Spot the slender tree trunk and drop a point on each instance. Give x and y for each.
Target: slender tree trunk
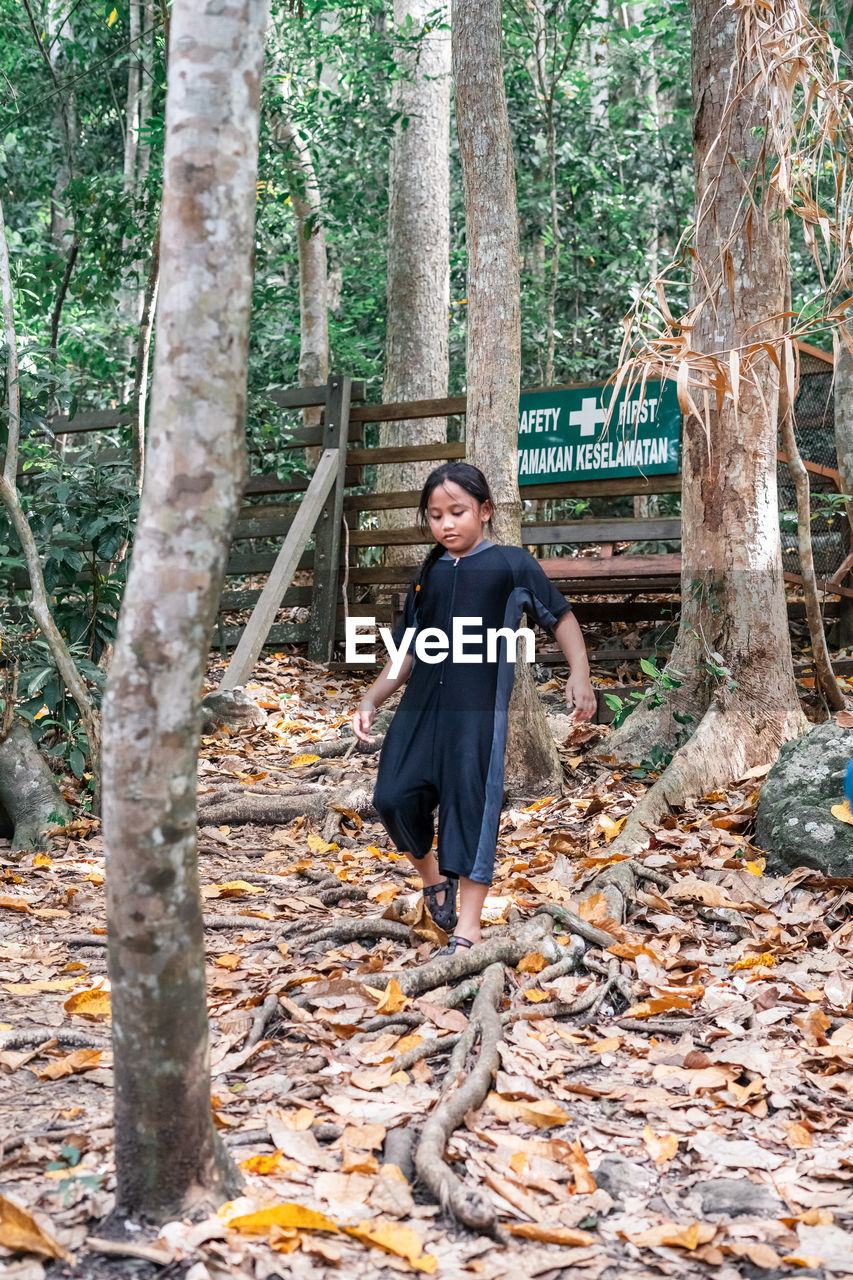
(168, 1157)
(146, 88)
(843, 402)
(494, 334)
(418, 275)
(313, 268)
(738, 701)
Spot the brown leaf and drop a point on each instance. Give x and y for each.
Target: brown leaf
(661, 1147)
(20, 1232)
(79, 1060)
(543, 1114)
(549, 1235)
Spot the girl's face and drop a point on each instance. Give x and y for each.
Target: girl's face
(456, 518)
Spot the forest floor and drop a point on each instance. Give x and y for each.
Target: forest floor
(696, 1119)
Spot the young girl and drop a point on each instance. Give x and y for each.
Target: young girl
(445, 745)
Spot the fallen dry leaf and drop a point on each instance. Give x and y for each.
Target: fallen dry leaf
(395, 1238)
(20, 1232)
(549, 1235)
(79, 1060)
(660, 1146)
(544, 1114)
(93, 1003)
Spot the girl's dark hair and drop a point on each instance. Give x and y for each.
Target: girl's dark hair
(469, 478)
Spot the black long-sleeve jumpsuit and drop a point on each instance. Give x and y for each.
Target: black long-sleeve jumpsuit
(445, 745)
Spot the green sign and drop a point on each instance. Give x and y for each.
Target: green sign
(562, 434)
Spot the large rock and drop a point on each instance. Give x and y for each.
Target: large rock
(230, 709)
(794, 823)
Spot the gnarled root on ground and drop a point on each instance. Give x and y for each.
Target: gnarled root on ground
(458, 1098)
(326, 807)
(727, 742)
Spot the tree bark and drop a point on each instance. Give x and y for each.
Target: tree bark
(494, 335)
(313, 269)
(418, 274)
(29, 795)
(843, 402)
(169, 1160)
(732, 654)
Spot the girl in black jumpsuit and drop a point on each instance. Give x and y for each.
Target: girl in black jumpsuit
(445, 745)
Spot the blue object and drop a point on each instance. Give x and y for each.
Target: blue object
(848, 784)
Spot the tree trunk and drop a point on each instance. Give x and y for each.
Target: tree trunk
(29, 796)
(313, 270)
(732, 654)
(418, 277)
(494, 334)
(169, 1160)
(843, 401)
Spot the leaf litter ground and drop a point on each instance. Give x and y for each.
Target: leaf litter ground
(695, 1120)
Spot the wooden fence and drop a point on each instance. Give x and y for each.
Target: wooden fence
(274, 510)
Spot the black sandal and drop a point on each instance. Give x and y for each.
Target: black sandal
(444, 914)
(455, 942)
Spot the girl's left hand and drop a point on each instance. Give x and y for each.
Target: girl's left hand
(580, 697)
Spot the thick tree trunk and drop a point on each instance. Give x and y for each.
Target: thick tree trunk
(29, 796)
(418, 278)
(737, 698)
(168, 1158)
(494, 334)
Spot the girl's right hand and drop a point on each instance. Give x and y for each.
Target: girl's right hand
(363, 719)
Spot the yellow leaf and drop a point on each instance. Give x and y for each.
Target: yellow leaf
(842, 813)
(610, 1045)
(393, 999)
(661, 1147)
(229, 961)
(798, 1136)
(93, 1003)
(533, 962)
(298, 761)
(393, 1237)
(584, 1178)
(542, 1114)
(20, 1232)
(79, 1060)
(33, 988)
(42, 860)
(281, 1215)
(518, 1163)
(674, 1234)
(261, 1164)
(609, 828)
(113, 16)
(536, 996)
(230, 889)
(549, 1235)
(756, 868)
(766, 959)
(15, 904)
(318, 845)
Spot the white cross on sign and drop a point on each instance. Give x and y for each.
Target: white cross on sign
(588, 417)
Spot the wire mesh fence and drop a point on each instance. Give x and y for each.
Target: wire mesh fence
(815, 430)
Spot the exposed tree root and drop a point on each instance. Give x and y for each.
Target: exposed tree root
(262, 1016)
(31, 1039)
(465, 1203)
(426, 1049)
(351, 930)
(532, 936)
(728, 741)
(567, 964)
(274, 808)
(576, 924)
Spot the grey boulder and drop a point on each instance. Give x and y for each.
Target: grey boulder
(794, 823)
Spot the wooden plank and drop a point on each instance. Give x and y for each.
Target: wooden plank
(307, 436)
(310, 397)
(611, 567)
(327, 536)
(816, 469)
(248, 597)
(652, 529)
(616, 487)
(89, 420)
(824, 585)
(258, 484)
(405, 410)
(382, 501)
(440, 452)
(263, 616)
